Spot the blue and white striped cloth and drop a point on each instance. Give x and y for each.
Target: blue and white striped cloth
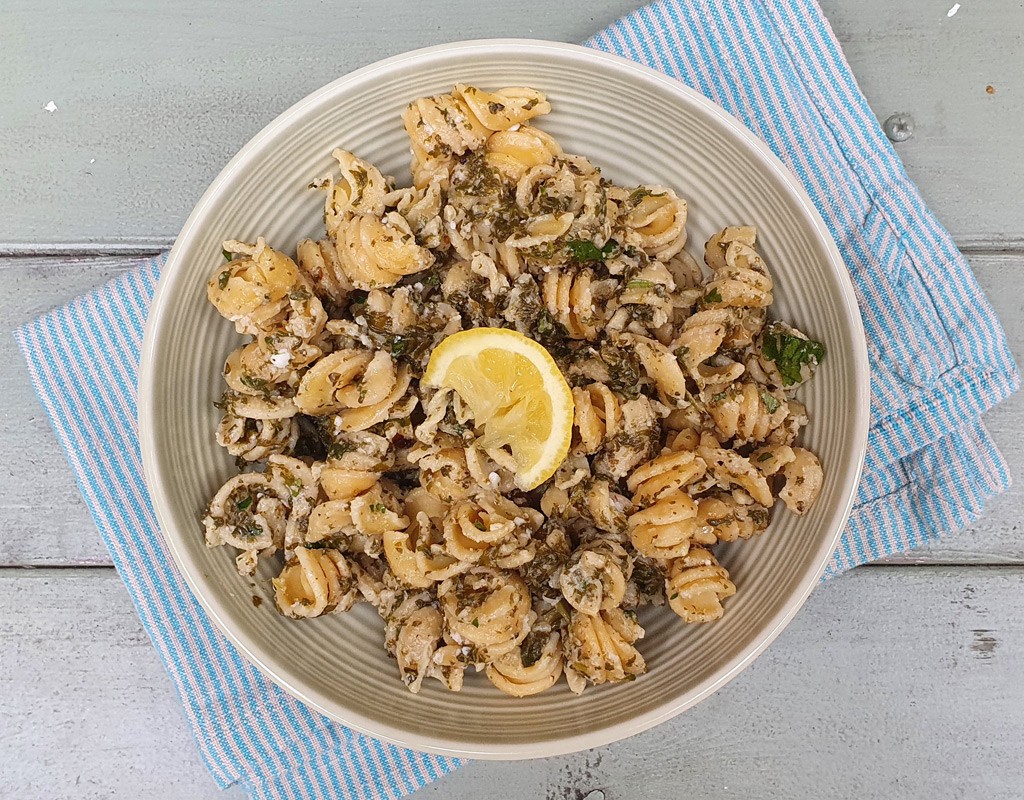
(938, 356)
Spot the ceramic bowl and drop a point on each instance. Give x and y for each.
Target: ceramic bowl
(640, 127)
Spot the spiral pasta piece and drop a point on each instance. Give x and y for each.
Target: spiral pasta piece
(570, 301)
(249, 512)
(315, 582)
(487, 610)
(358, 189)
(417, 554)
(804, 478)
(656, 221)
(669, 472)
(727, 518)
(667, 527)
(746, 412)
(447, 125)
(492, 526)
(379, 251)
(252, 290)
(597, 416)
(321, 262)
(729, 468)
(696, 585)
(513, 153)
(599, 648)
(595, 576)
(524, 672)
(255, 439)
(413, 629)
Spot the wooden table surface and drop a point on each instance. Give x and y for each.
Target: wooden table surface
(897, 680)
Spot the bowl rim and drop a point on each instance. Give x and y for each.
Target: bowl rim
(249, 646)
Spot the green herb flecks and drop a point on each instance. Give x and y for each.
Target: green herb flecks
(222, 280)
(790, 354)
(378, 508)
(254, 383)
(583, 251)
(227, 256)
(771, 402)
(244, 503)
(639, 284)
(338, 449)
(712, 297)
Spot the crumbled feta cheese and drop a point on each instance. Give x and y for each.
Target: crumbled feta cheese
(418, 286)
(360, 320)
(519, 521)
(281, 359)
(494, 479)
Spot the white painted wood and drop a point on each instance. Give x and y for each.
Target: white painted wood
(87, 709)
(41, 502)
(151, 101)
(891, 682)
(43, 517)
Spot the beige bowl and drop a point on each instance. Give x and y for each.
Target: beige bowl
(639, 126)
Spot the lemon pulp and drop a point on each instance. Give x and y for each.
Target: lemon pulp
(516, 393)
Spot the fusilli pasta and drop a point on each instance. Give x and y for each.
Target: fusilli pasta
(373, 486)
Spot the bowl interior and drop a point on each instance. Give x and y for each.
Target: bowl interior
(637, 126)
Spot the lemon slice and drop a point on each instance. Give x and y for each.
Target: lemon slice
(516, 393)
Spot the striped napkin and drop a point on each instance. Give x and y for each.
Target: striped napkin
(938, 356)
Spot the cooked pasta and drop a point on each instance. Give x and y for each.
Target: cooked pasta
(360, 482)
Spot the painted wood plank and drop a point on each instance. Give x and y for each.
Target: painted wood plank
(44, 519)
(886, 679)
(40, 502)
(88, 710)
(150, 102)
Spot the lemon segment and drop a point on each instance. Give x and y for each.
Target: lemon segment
(517, 394)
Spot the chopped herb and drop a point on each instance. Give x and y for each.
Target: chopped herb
(302, 293)
(764, 457)
(244, 503)
(790, 354)
(712, 297)
(479, 525)
(640, 285)
(714, 523)
(638, 194)
(222, 281)
(681, 353)
(718, 397)
(771, 402)
(583, 251)
(647, 577)
(530, 104)
(494, 108)
(254, 383)
(338, 449)
(476, 622)
(759, 516)
(674, 596)
(227, 256)
(532, 648)
(378, 508)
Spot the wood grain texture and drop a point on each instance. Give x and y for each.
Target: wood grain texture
(44, 519)
(40, 501)
(851, 701)
(88, 710)
(152, 101)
